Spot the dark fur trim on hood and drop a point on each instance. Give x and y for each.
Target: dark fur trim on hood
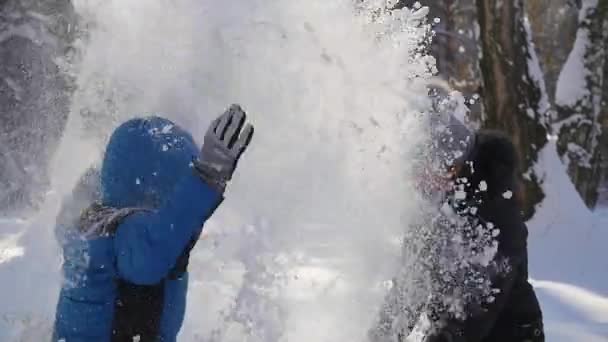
(491, 157)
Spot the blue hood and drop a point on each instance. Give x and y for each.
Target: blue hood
(143, 162)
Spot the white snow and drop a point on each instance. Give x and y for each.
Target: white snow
(307, 233)
(537, 76)
(460, 110)
(592, 306)
(460, 195)
(167, 129)
(9, 249)
(483, 186)
(583, 157)
(568, 265)
(23, 31)
(571, 84)
(14, 86)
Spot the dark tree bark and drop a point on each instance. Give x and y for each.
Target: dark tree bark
(34, 94)
(512, 94)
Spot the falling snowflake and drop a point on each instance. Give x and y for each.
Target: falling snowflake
(167, 129)
(483, 186)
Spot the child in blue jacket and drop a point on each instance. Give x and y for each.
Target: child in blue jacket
(128, 228)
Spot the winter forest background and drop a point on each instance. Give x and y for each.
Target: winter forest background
(537, 69)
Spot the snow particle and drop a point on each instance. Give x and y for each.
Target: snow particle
(165, 148)
(137, 181)
(437, 20)
(508, 194)
(461, 49)
(483, 186)
(460, 195)
(530, 112)
(167, 129)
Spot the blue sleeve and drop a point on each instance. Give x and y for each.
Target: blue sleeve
(148, 244)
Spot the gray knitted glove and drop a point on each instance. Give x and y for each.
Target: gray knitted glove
(225, 142)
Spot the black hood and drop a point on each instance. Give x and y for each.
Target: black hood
(490, 158)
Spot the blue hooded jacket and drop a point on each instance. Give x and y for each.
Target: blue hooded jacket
(147, 165)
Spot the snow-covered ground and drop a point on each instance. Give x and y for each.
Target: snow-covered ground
(308, 233)
(568, 263)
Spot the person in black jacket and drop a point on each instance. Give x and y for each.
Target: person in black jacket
(406, 301)
(485, 195)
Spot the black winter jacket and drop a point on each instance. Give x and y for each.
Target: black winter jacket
(515, 314)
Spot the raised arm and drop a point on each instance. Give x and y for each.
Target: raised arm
(148, 244)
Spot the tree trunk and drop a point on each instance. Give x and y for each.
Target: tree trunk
(512, 89)
(603, 118)
(582, 143)
(554, 24)
(34, 94)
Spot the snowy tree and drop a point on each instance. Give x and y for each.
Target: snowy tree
(485, 47)
(581, 98)
(514, 93)
(34, 93)
(553, 24)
